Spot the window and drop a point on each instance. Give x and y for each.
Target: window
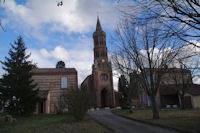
(143, 98)
(148, 101)
(97, 54)
(104, 77)
(63, 82)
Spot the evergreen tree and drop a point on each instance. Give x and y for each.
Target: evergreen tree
(133, 86)
(123, 88)
(17, 87)
(129, 90)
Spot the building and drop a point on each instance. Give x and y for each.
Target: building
(53, 83)
(100, 83)
(171, 85)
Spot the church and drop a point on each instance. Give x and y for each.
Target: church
(100, 83)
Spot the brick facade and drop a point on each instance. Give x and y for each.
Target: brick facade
(49, 80)
(100, 82)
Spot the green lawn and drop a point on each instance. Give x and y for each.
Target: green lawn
(182, 119)
(51, 124)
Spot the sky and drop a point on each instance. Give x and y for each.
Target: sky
(53, 33)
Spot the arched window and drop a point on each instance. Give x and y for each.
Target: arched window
(97, 54)
(103, 52)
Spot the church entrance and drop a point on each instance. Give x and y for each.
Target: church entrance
(103, 98)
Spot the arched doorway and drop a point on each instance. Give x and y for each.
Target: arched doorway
(103, 98)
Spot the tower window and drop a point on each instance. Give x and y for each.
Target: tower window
(97, 54)
(95, 42)
(101, 42)
(103, 53)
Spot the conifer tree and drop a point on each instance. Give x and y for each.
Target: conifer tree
(123, 88)
(17, 87)
(129, 89)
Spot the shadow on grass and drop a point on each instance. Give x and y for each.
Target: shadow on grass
(56, 123)
(182, 119)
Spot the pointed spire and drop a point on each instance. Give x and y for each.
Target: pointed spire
(98, 27)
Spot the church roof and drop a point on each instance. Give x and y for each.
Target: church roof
(54, 71)
(98, 27)
(99, 31)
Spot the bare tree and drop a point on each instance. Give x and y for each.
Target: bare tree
(146, 50)
(184, 12)
(180, 17)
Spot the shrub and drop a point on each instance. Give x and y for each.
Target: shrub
(78, 102)
(7, 118)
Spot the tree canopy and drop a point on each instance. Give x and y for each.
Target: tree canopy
(17, 88)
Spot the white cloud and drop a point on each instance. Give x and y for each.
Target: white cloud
(40, 59)
(74, 16)
(1, 71)
(58, 53)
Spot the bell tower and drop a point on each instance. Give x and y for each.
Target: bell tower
(102, 70)
(100, 49)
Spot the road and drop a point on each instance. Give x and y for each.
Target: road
(122, 125)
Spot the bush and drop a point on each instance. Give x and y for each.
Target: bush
(7, 118)
(78, 102)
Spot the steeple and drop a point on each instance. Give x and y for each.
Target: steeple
(98, 27)
(100, 48)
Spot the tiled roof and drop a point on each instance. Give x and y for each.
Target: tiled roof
(193, 89)
(54, 71)
(169, 70)
(168, 89)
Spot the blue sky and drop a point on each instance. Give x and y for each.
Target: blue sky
(53, 33)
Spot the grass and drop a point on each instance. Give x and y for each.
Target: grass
(182, 119)
(51, 124)
(3, 114)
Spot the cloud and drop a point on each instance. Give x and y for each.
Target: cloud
(40, 59)
(77, 16)
(1, 71)
(58, 53)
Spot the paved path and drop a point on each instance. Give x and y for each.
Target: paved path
(122, 125)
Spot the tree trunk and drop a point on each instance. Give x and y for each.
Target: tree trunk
(182, 102)
(155, 110)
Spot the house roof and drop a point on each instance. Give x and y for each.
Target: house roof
(54, 71)
(193, 89)
(169, 70)
(42, 94)
(168, 90)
